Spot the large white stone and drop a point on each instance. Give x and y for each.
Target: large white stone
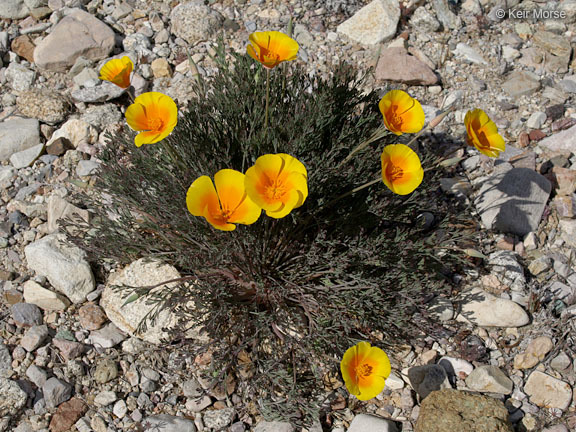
(64, 265)
(486, 310)
(374, 23)
(128, 317)
(367, 422)
(548, 392)
(17, 135)
(565, 140)
(59, 208)
(44, 298)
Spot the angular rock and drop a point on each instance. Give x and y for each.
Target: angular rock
(139, 274)
(20, 77)
(107, 337)
(5, 361)
(67, 415)
(199, 404)
(59, 146)
(561, 362)
(534, 354)
(69, 349)
(91, 316)
(168, 423)
(55, 392)
(77, 34)
(43, 298)
(367, 422)
(34, 337)
(454, 410)
(120, 409)
(26, 158)
(13, 9)
(397, 65)
(548, 392)
(564, 140)
(428, 378)
(46, 105)
(26, 315)
(485, 310)
(448, 18)
(470, 54)
(87, 168)
(489, 379)
(374, 23)
(13, 397)
(424, 21)
(507, 269)
(63, 265)
(17, 135)
(193, 21)
(105, 398)
(60, 209)
(520, 83)
(219, 419)
(24, 47)
(456, 367)
(37, 375)
(513, 201)
(77, 131)
(103, 92)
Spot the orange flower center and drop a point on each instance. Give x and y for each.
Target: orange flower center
(394, 173)
(275, 191)
(363, 370)
(156, 124)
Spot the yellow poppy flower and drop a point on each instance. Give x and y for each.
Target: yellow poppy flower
(483, 133)
(277, 183)
(401, 169)
(152, 114)
(272, 48)
(224, 205)
(402, 114)
(365, 369)
(117, 71)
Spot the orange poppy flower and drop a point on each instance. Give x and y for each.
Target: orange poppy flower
(365, 369)
(152, 114)
(272, 48)
(117, 71)
(224, 205)
(277, 183)
(402, 114)
(483, 133)
(401, 169)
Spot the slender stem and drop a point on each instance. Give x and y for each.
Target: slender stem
(379, 133)
(174, 155)
(267, 98)
(351, 192)
(130, 91)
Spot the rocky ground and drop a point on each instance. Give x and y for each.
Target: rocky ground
(67, 357)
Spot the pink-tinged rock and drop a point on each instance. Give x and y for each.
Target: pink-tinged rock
(565, 180)
(397, 65)
(92, 317)
(565, 140)
(565, 206)
(69, 349)
(78, 34)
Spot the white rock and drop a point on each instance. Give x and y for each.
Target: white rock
(59, 208)
(64, 265)
(374, 23)
(536, 120)
(564, 140)
(455, 366)
(13, 397)
(489, 379)
(44, 298)
(548, 392)
(25, 158)
(17, 135)
(394, 382)
(367, 422)
(469, 54)
(20, 77)
(105, 398)
(13, 9)
(120, 409)
(168, 423)
(77, 131)
(128, 317)
(107, 337)
(273, 426)
(483, 309)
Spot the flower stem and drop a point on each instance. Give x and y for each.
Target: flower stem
(267, 98)
(351, 192)
(378, 133)
(174, 155)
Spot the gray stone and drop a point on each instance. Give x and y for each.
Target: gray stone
(424, 21)
(489, 379)
(564, 140)
(128, 317)
(77, 34)
(428, 378)
(138, 43)
(168, 423)
(193, 22)
(34, 337)
(556, 428)
(20, 77)
(105, 398)
(103, 92)
(55, 392)
(367, 422)
(508, 270)
(199, 404)
(87, 168)
(107, 337)
(13, 397)
(26, 158)
(470, 54)
(561, 291)
(568, 84)
(37, 375)
(448, 18)
(520, 83)
(13, 9)
(536, 120)
(17, 135)
(513, 201)
(273, 426)
(191, 388)
(106, 370)
(63, 265)
(483, 309)
(561, 362)
(7, 173)
(102, 116)
(548, 392)
(5, 361)
(26, 315)
(374, 23)
(218, 419)
(60, 209)
(120, 409)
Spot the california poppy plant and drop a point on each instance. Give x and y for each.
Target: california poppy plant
(272, 48)
(365, 369)
(402, 113)
(154, 115)
(401, 169)
(483, 133)
(277, 183)
(225, 204)
(117, 71)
